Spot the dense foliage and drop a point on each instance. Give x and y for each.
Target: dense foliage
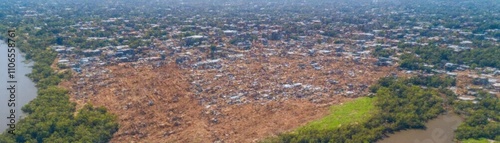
(433, 81)
(431, 55)
(399, 104)
(482, 118)
(381, 52)
(51, 116)
(51, 119)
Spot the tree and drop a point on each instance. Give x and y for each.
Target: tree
(213, 49)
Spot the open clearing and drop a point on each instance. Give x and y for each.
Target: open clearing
(156, 105)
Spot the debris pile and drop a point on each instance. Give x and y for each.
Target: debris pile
(159, 104)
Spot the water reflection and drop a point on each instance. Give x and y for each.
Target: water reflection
(25, 88)
(439, 130)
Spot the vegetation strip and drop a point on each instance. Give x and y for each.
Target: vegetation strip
(402, 104)
(51, 115)
(353, 112)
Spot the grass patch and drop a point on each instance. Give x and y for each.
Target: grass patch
(483, 140)
(353, 112)
(399, 104)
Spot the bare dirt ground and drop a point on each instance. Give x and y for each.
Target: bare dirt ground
(160, 104)
(173, 116)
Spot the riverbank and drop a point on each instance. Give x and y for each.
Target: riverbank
(26, 90)
(413, 109)
(399, 104)
(52, 116)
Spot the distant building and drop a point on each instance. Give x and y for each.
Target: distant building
(450, 66)
(194, 40)
(364, 36)
(480, 81)
(230, 32)
(90, 53)
(467, 98)
(383, 61)
(497, 87)
(466, 43)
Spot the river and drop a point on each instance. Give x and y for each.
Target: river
(25, 88)
(439, 130)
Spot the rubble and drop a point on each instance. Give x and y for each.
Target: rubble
(206, 84)
(167, 105)
(189, 88)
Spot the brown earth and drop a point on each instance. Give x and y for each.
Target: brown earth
(171, 104)
(174, 115)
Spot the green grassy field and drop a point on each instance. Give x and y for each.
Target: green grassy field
(477, 141)
(368, 119)
(356, 111)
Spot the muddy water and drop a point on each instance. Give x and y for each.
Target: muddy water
(25, 88)
(439, 130)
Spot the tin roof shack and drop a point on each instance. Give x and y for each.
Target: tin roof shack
(363, 36)
(463, 67)
(496, 86)
(57, 47)
(315, 65)
(234, 57)
(264, 41)
(77, 69)
(230, 33)
(383, 61)
(245, 45)
(457, 48)
(123, 59)
(62, 63)
(126, 51)
(84, 61)
(467, 98)
(466, 43)
(473, 90)
(125, 55)
(208, 64)
(194, 40)
(91, 53)
(61, 50)
(109, 55)
(183, 61)
(482, 81)
(450, 66)
(151, 60)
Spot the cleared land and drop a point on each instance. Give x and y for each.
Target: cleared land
(157, 105)
(243, 101)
